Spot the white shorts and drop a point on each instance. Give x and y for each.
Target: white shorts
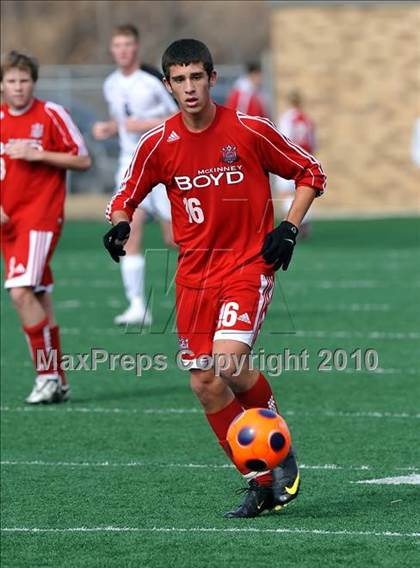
(156, 203)
(27, 255)
(285, 185)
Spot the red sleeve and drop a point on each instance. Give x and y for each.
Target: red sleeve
(65, 136)
(281, 156)
(142, 175)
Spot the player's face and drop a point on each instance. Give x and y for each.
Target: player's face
(190, 85)
(125, 50)
(17, 88)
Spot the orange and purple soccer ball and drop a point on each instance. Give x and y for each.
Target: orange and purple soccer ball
(258, 439)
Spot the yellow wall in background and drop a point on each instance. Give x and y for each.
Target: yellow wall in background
(358, 68)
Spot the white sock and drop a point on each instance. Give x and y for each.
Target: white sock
(132, 272)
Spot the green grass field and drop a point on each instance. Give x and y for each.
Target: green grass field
(128, 472)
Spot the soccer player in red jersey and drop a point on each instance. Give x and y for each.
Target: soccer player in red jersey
(296, 124)
(246, 94)
(215, 164)
(39, 142)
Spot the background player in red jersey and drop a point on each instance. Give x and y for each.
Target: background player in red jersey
(215, 164)
(247, 95)
(297, 125)
(39, 142)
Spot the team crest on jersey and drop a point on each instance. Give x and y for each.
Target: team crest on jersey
(37, 130)
(229, 154)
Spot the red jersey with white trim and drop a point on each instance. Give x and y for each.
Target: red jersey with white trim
(218, 185)
(33, 193)
(246, 102)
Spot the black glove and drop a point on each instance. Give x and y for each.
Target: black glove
(114, 240)
(279, 244)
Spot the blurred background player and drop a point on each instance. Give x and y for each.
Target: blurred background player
(223, 223)
(296, 124)
(137, 101)
(415, 143)
(39, 142)
(247, 95)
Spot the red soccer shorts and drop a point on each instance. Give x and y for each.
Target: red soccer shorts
(27, 255)
(233, 311)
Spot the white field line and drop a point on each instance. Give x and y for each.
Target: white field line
(322, 467)
(297, 282)
(354, 372)
(71, 304)
(312, 334)
(344, 334)
(230, 531)
(412, 479)
(193, 410)
(352, 284)
(381, 371)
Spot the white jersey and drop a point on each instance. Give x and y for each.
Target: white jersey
(140, 95)
(415, 144)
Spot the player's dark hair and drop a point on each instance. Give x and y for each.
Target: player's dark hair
(126, 30)
(253, 67)
(184, 52)
(295, 98)
(17, 60)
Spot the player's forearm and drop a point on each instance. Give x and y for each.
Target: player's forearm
(65, 161)
(112, 126)
(303, 200)
(118, 216)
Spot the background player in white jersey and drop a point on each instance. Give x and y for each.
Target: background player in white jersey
(137, 101)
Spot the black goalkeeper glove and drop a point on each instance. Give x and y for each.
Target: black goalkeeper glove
(279, 244)
(115, 239)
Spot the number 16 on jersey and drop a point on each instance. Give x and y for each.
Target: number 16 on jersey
(194, 211)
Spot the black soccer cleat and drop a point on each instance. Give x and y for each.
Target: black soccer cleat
(286, 481)
(258, 498)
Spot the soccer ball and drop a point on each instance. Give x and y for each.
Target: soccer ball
(258, 439)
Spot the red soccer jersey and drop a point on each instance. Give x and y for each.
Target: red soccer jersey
(297, 125)
(32, 193)
(218, 185)
(246, 102)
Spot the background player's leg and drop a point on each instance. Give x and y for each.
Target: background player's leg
(167, 233)
(37, 331)
(27, 305)
(132, 272)
(45, 300)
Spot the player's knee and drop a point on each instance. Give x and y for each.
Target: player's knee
(228, 372)
(228, 368)
(205, 385)
(21, 296)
